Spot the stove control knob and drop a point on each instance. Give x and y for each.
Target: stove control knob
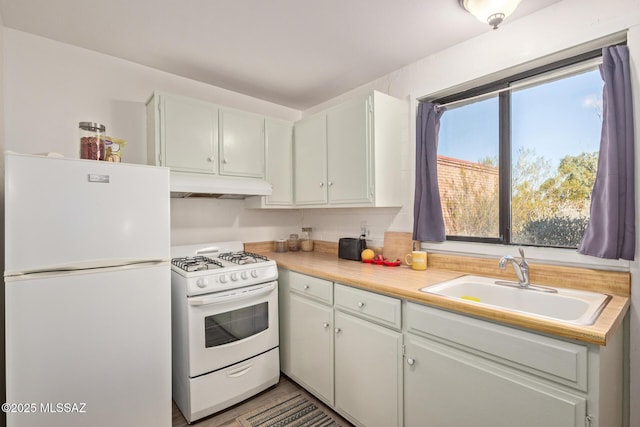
(223, 279)
(254, 274)
(202, 282)
(234, 277)
(244, 275)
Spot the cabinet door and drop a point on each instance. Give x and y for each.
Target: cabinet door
(310, 161)
(450, 387)
(241, 144)
(284, 322)
(368, 365)
(311, 341)
(189, 132)
(279, 161)
(349, 153)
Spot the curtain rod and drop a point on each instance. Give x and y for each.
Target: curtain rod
(554, 75)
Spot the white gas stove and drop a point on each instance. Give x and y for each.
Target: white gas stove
(219, 266)
(224, 317)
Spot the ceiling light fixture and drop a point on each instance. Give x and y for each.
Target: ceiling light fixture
(491, 11)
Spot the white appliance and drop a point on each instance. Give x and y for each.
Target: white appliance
(225, 326)
(88, 299)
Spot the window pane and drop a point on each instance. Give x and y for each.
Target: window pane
(555, 142)
(468, 150)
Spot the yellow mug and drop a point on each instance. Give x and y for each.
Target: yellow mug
(417, 260)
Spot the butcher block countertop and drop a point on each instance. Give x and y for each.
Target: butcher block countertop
(403, 282)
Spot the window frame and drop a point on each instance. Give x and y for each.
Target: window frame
(504, 148)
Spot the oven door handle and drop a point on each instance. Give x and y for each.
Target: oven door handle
(235, 296)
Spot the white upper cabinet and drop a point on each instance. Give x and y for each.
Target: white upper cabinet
(189, 135)
(188, 139)
(241, 144)
(349, 152)
(278, 166)
(348, 156)
(310, 161)
(279, 161)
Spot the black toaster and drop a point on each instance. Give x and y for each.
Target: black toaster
(351, 248)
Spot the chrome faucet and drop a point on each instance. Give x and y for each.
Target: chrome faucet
(521, 269)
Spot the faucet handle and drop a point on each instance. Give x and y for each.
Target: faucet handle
(523, 260)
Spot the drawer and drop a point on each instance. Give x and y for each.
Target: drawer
(313, 287)
(550, 358)
(379, 308)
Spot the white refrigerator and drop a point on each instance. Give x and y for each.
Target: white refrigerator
(87, 293)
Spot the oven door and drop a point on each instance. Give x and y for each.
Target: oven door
(231, 326)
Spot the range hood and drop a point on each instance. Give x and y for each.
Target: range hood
(184, 185)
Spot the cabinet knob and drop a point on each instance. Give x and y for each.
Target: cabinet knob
(224, 161)
(337, 330)
(330, 183)
(360, 304)
(211, 159)
(325, 325)
(322, 184)
(410, 361)
(306, 287)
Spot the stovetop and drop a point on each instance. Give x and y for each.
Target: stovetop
(223, 260)
(242, 257)
(196, 263)
(215, 267)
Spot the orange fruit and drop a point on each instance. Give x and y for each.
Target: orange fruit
(367, 254)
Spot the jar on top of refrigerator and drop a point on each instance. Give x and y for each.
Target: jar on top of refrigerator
(92, 140)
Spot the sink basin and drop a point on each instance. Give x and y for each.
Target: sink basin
(567, 305)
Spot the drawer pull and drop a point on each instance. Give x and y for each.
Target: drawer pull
(360, 304)
(306, 287)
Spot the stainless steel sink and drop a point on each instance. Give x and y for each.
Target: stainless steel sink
(565, 305)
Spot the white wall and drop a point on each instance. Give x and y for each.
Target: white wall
(538, 38)
(51, 86)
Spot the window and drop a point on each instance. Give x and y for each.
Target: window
(517, 159)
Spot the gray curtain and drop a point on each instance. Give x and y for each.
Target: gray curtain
(611, 229)
(428, 224)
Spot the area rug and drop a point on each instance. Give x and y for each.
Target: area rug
(295, 410)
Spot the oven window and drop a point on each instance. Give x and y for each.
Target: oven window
(235, 325)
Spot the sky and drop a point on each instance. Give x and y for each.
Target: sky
(555, 119)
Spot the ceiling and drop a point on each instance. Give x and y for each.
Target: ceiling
(296, 53)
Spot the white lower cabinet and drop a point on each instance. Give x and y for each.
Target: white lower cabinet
(462, 371)
(382, 362)
(312, 338)
(367, 374)
(448, 387)
(345, 355)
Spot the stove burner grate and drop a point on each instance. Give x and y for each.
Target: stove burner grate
(242, 257)
(196, 263)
